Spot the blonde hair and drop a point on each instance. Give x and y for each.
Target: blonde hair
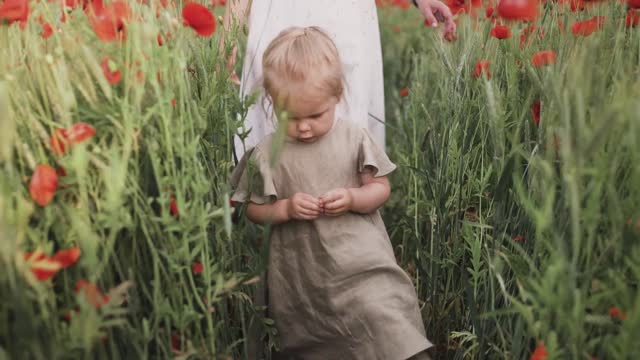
(301, 57)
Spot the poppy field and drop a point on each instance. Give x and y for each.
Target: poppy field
(515, 206)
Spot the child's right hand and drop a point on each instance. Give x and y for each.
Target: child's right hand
(303, 206)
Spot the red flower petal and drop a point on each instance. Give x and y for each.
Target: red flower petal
(45, 269)
(79, 132)
(634, 4)
(616, 313)
(14, 10)
(47, 30)
(587, 27)
(197, 268)
(173, 206)
(199, 18)
(44, 182)
(542, 58)
(535, 111)
(482, 67)
(489, 12)
(519, 238)
(404, 92)
(67, 257)
(526, 10)
(500, 32)
(109, 21)
(540, 353)
(110, 72)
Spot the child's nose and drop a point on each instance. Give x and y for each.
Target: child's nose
(303, 126)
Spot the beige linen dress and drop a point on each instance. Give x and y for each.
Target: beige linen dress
(335, 289)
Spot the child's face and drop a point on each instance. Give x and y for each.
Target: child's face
(310, 117)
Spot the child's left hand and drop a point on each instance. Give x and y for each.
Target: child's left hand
(336, 202)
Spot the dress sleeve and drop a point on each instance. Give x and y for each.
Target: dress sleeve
(252, 179)
(370, 154)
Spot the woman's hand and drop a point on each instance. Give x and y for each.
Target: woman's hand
(434, 11)
(303, 206)
(336, 202)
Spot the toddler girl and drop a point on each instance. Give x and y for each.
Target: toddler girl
(335, 289)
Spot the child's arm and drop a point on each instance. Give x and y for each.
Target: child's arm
(300, 206)
(365, 199)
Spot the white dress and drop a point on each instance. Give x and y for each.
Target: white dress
(353, 26)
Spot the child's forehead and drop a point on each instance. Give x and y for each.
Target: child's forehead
(300, 105)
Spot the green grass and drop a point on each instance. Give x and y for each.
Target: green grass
(475, 173)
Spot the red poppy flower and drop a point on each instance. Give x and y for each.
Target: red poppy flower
(92, 294)
(44, 182)
(403, 4)
(540, 353)
(576, 5)
(462, 6)
(173, 102)
(14, 10)
(197, 268)
(199, 18)
(634, 4)
(542, 58)
(108, 22)
(535, 111)
(110, 71)
(616, 313)
(47, 30)
(632, 19)
(482, 67)
(588, 27)
(42, 266)
(489, 12)
(519, 238)
(80, 132)
(67, 257)
(500, 32)
(404, 92)
(173, 206)
(525, 10)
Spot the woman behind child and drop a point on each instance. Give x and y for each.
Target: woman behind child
(335, 289)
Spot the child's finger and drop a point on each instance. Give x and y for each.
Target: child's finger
(335, 212)
(334, 205)
(308, 205)
(329, 197)
(312, 199)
